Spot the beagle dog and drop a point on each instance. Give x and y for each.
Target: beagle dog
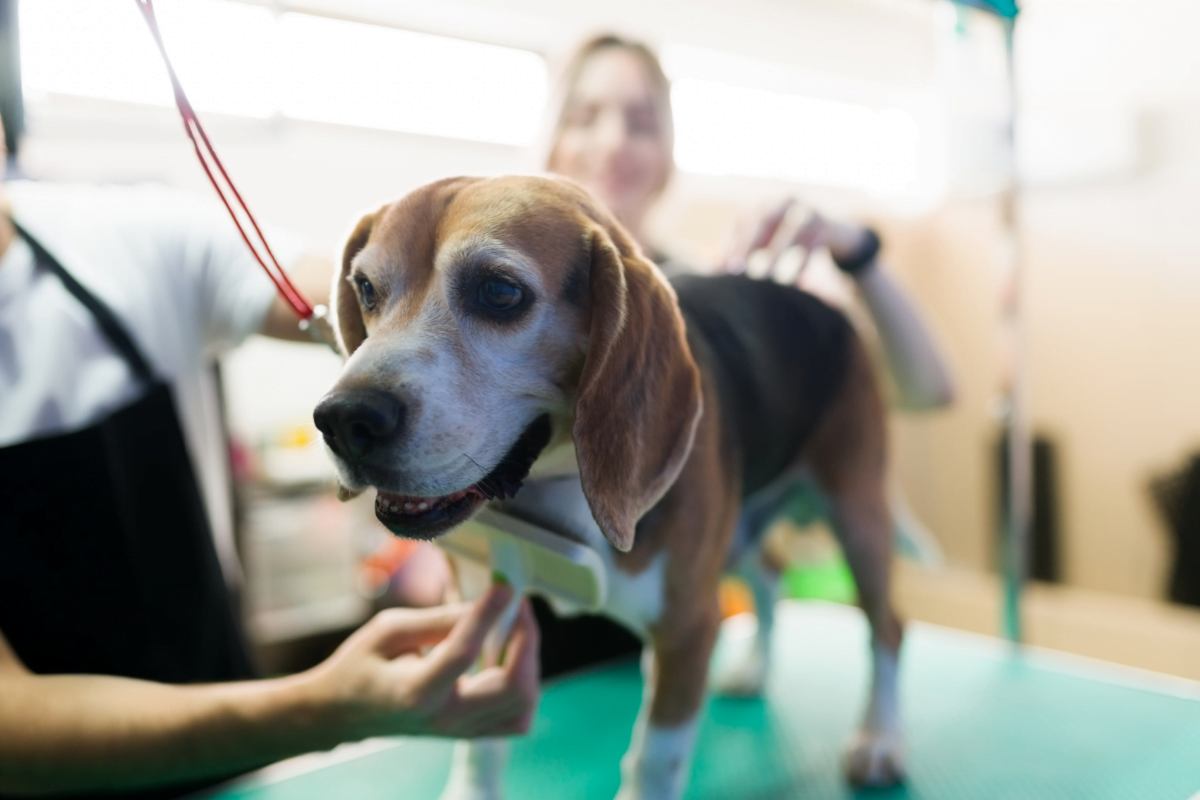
(507, 342)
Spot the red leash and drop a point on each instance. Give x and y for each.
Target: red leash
(312, 318)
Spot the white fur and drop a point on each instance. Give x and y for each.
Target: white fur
(635, 601)
(477, 770)
(656, 765)
(875, 755)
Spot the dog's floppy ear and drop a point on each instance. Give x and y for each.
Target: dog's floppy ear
(350, 327)
(639, 396)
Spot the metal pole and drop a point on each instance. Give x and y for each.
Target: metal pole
(1020, 479)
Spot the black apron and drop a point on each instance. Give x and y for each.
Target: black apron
(107, 564)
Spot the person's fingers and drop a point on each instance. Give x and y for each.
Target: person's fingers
(395, 631)
(770, 226)
(758, 238)
(454, 655)
(521, 659)
(811, 234)
(486, 700)
(509, 725)
(502, 700)
(789, 233)
(734, 260)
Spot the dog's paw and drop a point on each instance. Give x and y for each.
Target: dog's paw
(476, 770)
(740, 659)
(465, 790)
(662, 789)
(875, 759)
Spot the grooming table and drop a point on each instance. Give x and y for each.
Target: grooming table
(983, 722)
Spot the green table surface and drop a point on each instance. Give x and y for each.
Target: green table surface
(983, 721)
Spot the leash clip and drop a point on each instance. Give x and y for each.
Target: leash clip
(318, 327)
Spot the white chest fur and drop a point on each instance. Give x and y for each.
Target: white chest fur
(636, 601)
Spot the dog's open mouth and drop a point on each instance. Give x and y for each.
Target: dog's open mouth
(427, 517)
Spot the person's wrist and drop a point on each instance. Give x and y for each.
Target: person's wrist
(856, 259)
(317, 710)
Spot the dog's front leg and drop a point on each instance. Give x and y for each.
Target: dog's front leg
(674, 670)
(477, 766)
(477, 770)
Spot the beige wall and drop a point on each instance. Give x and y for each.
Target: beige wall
(1115, 331)
(1112, 320)
(945, 459)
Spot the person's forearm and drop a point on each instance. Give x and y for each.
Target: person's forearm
(921, 376)
(82, 732)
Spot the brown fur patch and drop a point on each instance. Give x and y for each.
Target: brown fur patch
(639, 395)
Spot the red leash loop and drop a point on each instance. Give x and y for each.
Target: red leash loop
(191, 125)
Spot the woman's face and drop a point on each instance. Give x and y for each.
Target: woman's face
(611, 139)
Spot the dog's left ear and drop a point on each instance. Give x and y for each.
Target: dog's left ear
(351, 330)
(639, 394)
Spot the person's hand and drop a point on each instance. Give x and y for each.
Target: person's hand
(782, 229)
(403, 673)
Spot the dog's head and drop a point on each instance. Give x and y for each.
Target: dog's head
(487, 319)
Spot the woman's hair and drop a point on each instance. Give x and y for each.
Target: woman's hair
(660, 88)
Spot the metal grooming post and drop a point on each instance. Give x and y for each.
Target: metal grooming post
(1018, 511)
(1020, 455)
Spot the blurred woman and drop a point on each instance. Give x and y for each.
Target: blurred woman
(612, 131)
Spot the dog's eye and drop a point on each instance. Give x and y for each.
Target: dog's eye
(366, 292)
(500, 295)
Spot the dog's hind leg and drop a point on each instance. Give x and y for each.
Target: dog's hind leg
(742, 658)
(848, 456)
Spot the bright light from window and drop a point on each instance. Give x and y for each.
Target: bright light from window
(732, 130)
(102, 49)
(378, 77)
(241, 59)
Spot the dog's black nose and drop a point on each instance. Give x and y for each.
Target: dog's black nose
(355, 423)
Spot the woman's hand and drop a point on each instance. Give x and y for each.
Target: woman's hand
(403, 672)
(784, 228)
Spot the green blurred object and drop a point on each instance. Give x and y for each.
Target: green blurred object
(1001, 8)
(985, 721)
(828, 580)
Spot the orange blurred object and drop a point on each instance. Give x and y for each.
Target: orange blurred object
(735, 598)
(379, 567)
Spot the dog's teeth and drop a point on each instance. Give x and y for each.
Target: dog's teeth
(422, 506)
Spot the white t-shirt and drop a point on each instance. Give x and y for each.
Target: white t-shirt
(174, 270)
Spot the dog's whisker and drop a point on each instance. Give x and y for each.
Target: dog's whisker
(482, 471)
(486, 485)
